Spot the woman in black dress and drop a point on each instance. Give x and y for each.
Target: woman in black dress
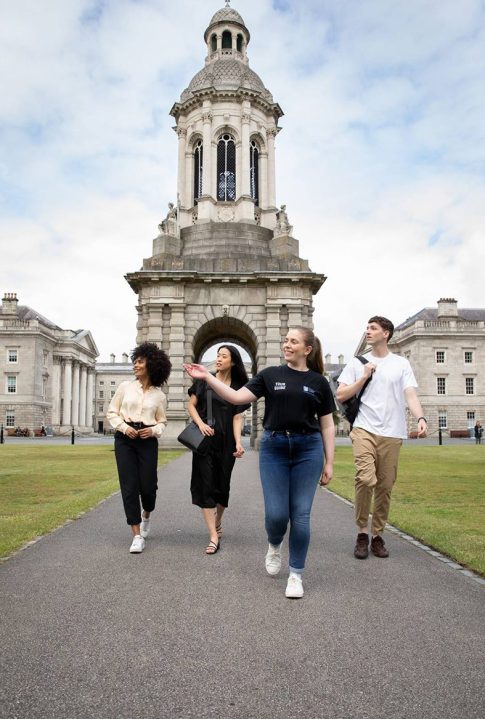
(211, 473)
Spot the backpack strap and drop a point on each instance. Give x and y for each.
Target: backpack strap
(362, 359)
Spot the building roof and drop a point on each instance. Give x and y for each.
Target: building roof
(226, 74)
(227, 14)
(431, 313)
(24, 312)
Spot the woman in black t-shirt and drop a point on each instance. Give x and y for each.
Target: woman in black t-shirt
(211, 473)
(297, 446)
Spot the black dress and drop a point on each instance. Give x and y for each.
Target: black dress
(211, 473)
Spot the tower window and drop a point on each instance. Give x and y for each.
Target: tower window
(239, 43)
(226, 169)
(254, 171)
(214, 43)
(198, 156)
(226, 40)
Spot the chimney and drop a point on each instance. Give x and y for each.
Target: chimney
(9, 303)
(447, 307)
(125, 358)
(112, 358)
(341, 360)
(328, 358)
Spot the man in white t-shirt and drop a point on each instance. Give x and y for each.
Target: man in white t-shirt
(379, 429)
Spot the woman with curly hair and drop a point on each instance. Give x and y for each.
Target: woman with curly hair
(138, 414)
(211, 473)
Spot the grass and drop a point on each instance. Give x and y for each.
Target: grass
(439, 498)
(42, 487)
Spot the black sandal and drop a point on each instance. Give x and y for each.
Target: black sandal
(219, 529)
(212, 547)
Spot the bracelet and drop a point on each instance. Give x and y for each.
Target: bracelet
(419, 418)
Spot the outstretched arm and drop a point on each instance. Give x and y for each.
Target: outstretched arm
(233, 396)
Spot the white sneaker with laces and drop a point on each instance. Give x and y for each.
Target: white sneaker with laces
(137, 545)
(294, 588)
(273, 560)
(144, 526)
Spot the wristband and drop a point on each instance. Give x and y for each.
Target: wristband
(419, 418)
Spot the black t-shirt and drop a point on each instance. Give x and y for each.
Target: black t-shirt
(294, 399)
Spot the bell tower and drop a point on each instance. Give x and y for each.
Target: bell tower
(225, 265)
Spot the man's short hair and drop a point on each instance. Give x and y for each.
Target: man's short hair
(383, 322)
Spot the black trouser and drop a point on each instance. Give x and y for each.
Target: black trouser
(136, 460)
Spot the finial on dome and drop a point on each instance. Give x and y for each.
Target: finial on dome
(228, 3)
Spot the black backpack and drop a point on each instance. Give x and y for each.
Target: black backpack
(350, 408)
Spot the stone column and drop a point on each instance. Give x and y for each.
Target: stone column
(271, 134)
(263, 185)
(82, 395)
(182, 136)
(75, 394)
(273, 335)
(56, 390)
(66, 413)
(245, 160)
(207, 139)
(90, 398)
(176, 392)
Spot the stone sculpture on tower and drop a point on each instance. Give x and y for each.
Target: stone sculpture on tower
(225, 265)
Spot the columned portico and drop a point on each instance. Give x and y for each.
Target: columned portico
(75, 394)
(83, 395)
(67, 393)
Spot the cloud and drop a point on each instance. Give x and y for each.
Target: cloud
(380, 160)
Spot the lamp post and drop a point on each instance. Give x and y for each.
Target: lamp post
(72, 436)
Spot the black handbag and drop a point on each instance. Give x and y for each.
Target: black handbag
(192, 438)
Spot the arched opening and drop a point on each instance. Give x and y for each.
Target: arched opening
(226, 168)
(239, 43)
(198, 170)
(254, 171)
(214, 43)
(228, 330)
(226, 40)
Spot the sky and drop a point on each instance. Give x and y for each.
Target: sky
(380, 160)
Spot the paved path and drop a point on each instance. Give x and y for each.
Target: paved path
(88, 630)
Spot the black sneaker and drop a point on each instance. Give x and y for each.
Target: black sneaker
(361, 549)
(378, 547)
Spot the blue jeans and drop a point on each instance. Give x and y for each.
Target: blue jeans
(290, 468)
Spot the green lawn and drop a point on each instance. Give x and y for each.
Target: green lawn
(41, 487)
(439, 497)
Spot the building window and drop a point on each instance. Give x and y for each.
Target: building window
(9, 419)
(254, 171)
(226, 40)
(101, 382)
(101, 408)
(226, 169)
(440, 356)
(198, 170)
(214, 43)
(101, 394)
(442, 419)
(239, 43)
(112, 393)
(469, 385)
(46, 355)
(441, 385)
(11, 384)
(12, 356)
(470, 419)
(468, 357)
(112, 383)
(44, 387)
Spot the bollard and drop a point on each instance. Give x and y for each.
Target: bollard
(72, 436)
(1, 435)
(440, 437)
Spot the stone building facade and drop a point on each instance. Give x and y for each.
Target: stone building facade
(47, 372)
(446, 348)
(225, 265)
(109, 376)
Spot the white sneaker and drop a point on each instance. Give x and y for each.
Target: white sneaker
(144, 526)
(137, 545)
(273, 560)
(294, 588)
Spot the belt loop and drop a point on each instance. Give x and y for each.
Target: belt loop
(273, 434)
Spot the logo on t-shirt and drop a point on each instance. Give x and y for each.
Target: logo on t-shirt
(279, 385)
(308, 389)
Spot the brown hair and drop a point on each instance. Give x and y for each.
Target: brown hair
(383, 322)
(315, 359)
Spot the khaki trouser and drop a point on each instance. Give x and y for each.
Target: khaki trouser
(376, 461)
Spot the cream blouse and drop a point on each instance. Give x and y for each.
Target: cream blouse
(132, 404)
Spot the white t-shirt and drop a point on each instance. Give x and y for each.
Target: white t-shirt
(382, 408)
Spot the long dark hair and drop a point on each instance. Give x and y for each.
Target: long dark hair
(158, 364)
(239, 375)
(315, 358)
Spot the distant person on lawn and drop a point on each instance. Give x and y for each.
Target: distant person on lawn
(379, 429)
(138, 414)
(478, 432)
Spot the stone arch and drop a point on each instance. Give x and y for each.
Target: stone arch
(225, 329)
(257, 137)
(224, 129)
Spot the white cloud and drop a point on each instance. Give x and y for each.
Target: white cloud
(380, 160)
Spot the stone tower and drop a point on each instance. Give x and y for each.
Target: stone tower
(225, 265)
